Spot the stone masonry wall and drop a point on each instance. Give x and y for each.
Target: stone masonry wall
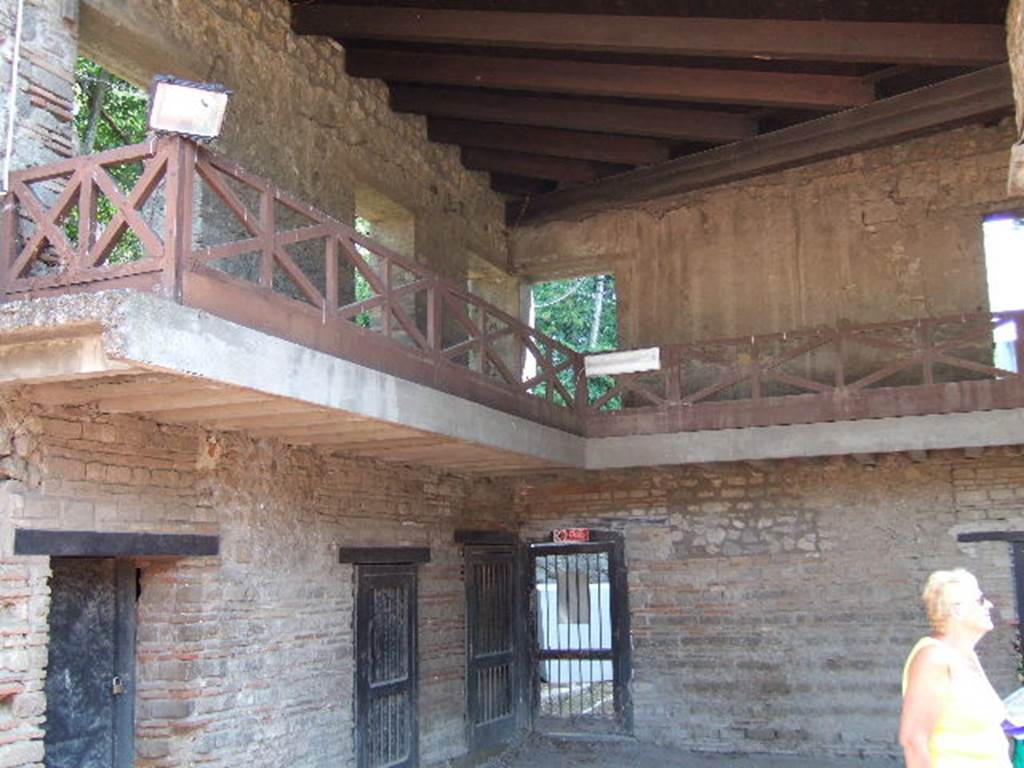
(247, 658)
(772, 606)
(886, 234)
(295, 116)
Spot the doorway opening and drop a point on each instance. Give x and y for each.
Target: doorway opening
(1004, 269)
(581, 646)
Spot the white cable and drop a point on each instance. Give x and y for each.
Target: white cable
(12, 97)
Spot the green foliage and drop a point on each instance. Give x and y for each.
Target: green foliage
(363, 289)
(565, 311)
(109, 113)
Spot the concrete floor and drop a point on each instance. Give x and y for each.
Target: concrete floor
(547, 753)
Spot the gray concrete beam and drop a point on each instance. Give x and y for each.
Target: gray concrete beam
(906, 433)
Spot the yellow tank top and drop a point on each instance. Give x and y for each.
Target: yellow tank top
(968, 733)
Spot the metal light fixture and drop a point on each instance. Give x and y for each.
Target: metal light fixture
(628, 361)
(195, 110)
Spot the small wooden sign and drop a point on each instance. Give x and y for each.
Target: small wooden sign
(570, 535)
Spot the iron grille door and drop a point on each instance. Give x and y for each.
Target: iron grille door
(580, 623)
(386, 667)
(492, 673)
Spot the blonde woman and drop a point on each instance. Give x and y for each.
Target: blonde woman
(952, 717)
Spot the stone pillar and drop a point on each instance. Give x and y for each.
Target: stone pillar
(43, 122)
(1015, 47)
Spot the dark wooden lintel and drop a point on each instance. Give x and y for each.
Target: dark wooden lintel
(485, 536)
(374, 555)
(976, 536)
(678, 123)
(985, 94)
(30, 541)
(910, 43)
(665, 83)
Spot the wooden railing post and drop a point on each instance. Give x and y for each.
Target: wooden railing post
(7, 241)
(434, 342)
(582, 389)
(181, 160)
(926, 344)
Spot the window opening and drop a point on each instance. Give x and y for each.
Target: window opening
(392, 226)
(582, 313)
(1004, 266)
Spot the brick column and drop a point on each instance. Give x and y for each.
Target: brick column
(43, 124)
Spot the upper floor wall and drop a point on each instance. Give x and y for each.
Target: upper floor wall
(875, 236)
(295, 116)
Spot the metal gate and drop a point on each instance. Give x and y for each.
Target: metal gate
(492, 661)
(580, 622)
(386, 668)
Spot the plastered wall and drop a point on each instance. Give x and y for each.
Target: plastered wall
(887, 234)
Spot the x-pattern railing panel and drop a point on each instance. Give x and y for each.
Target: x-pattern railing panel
(858, 358)
(54, 232)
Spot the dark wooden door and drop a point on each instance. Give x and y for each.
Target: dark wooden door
(387, 729)
(90, 668)
(492, 673)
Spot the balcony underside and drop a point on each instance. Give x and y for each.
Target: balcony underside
(124, 352)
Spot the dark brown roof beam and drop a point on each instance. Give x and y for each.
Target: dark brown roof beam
(534, 166)
(505, 184)
(826, 92)
(883, 42)
(982, 95)
(625, 150)
(555, 112)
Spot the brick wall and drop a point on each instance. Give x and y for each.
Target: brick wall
(246, 658)
(45, 89)
(773, 605)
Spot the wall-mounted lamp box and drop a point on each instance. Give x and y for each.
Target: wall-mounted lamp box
(189, 109)
(627, 361)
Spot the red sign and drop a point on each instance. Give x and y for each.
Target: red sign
(570, 535)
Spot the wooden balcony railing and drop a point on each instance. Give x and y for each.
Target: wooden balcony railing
(172, 217)
(914, 367)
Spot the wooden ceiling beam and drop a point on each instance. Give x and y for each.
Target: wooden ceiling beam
(603, 116)
(781, 89)
(981, 95)
(505, 184)
(626, 150)
(849, 41)
(533, 166)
